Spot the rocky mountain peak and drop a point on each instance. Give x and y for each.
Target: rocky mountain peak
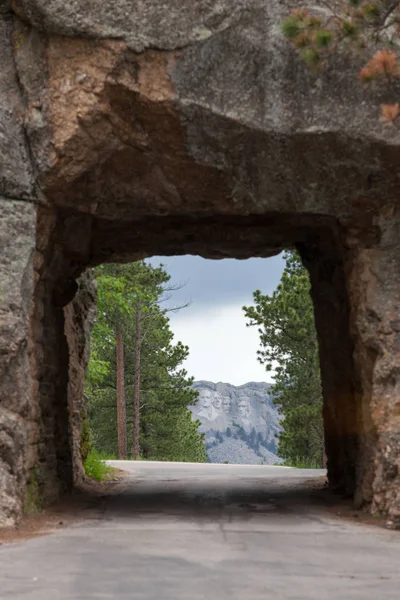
(244, 415)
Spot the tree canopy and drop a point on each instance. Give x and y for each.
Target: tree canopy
(166, 428)
(289, 346)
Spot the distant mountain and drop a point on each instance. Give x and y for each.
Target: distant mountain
(241, 423)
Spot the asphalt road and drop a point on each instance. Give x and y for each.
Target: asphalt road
(189, 532)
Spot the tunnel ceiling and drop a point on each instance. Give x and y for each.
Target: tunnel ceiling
(201, 112)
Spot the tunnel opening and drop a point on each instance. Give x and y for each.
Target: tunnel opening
(201, 303)
(63, 311)
(213, 141)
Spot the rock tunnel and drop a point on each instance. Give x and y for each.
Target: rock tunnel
(129, 129)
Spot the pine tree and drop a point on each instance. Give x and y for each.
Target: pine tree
(366, 29)
(136, 380)
(289, 344)
(121, 401)
(156, 384)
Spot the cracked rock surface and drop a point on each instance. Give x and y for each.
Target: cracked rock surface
(155, 127)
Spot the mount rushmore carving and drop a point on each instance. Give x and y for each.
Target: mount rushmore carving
(241, 424)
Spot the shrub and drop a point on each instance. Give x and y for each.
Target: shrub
(95, 467)
(85, 439)
(33, 501)
(302, 463)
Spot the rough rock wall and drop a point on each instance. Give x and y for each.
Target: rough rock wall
(79, 319)
(17, 243)
(178, 127)
(60, 339)
(325, 259)
(53, 472)
(374, 282)
(17, 435)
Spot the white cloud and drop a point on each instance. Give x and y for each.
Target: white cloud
(222, 348)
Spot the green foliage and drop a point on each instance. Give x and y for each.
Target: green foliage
(299, 462)
(167, 431)
(311, 56)
(289, 343)
(349, 29)
(97, 369)
(372, 11)
(366, 29)
(33, 500)
(95, 467)
(290, 27)
(85, 438)
(323, 38)
(174, 437)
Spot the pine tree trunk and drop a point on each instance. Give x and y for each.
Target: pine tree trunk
(136, 383)
(121, 404)
(145, 450)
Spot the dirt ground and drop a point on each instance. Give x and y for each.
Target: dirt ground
(83, 503)
(343, 508)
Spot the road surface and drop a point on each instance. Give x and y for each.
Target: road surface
(215, 532)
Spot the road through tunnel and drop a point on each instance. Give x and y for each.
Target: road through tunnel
(213, 142)
(64, 327)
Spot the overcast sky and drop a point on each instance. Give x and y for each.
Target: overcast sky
(222, 348)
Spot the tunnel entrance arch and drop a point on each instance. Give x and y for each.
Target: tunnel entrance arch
(206, 137)
(350, 432)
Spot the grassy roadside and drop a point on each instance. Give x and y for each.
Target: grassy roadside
(95, 466)
(300, 463)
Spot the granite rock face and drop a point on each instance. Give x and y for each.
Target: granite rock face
(165, 127)
(241, 423)
(139, 23)
(17, 246)
(17, 413)
(16, 172)
(79, 320)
